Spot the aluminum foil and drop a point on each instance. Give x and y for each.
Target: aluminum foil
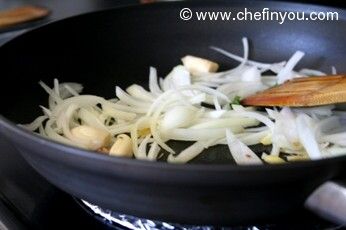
(121, 221)
(135, 223)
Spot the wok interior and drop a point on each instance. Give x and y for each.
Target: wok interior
(105, 49)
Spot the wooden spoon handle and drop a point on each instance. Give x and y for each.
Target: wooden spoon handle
(21, 14)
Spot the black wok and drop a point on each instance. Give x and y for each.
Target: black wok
(117, 47)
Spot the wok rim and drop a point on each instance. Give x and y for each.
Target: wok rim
(7, 124)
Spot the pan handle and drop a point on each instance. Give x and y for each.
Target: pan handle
(329, 202)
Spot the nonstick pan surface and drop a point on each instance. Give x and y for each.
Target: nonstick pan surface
(116, 47)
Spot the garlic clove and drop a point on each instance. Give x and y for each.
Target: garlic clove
(122, 146)
(198, 65)
(92, 138)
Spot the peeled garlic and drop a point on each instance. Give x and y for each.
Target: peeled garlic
(122, 146)
(298, 158)
(92, 138)
(272, 159)
(199, 65)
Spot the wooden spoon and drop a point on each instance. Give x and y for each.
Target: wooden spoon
(299, 92)
(21, 14)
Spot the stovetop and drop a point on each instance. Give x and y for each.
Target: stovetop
(28, 201)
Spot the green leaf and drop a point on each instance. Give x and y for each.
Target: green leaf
(236, 100)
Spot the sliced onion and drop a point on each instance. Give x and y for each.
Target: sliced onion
(36, 123)
(241, 153)
(139, 92)
(153, 84)
(135, 110)
(190, 152)
(153, 151)
(197, 134)
(286, 73)
(142, 149)
(307, 137)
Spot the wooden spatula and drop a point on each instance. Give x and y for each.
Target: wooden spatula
(21, 14)
(299, 92)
